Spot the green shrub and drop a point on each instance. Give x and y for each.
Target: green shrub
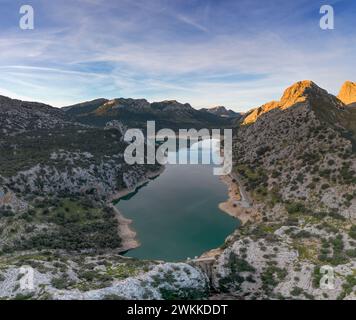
(352, 232)
(295, 208)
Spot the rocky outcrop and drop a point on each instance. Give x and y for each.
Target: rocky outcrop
(162, 282)
(49, 281)
(280, 267)
(347, 93)
(301, 92)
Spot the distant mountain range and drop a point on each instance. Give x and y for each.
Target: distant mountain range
(136, 112)
(19, 116)
(223, 112)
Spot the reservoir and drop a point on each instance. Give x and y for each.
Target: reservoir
(176, 215)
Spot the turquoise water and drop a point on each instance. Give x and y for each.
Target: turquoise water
(176, 215)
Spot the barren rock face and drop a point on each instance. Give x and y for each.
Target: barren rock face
(348, 92)
(297, 93)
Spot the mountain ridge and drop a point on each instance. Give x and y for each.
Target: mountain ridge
(136, 112)
(223, 112)
(305, 91)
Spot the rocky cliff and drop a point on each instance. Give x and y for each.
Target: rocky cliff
(348, 93)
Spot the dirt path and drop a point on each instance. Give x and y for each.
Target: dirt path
(245, 201)
(239, 204)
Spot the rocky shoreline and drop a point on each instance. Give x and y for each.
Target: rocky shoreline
(234, 206)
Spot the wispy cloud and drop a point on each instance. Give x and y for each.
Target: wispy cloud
(191, 22)
(235, 53)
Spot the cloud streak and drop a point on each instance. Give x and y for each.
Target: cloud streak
(235, 53)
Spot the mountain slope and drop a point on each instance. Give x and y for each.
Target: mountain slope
(84, 107)
(314, 124)
(40, 142)
(56, 172)
(296, 163)
(18, 116)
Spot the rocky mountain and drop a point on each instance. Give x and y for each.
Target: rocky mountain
(347, 93)
(136, 112)
(295, 159)
(223, 112)
(301, 92)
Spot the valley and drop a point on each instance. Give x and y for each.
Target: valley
(293, 187)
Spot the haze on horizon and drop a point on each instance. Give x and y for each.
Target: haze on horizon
(236, 53)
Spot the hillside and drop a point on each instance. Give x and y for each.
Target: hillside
(56, 177)
(294, 158)
(57, 181)
(135, 113)
(19, 116)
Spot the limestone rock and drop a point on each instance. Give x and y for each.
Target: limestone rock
(348, 93)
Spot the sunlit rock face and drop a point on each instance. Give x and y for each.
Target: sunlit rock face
(348, 93)
(301, 92)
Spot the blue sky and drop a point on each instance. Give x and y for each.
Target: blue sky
(237, 53)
